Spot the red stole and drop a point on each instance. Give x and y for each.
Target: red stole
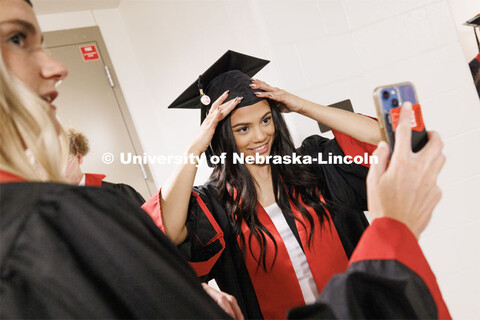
(6, 177)
(93, 179)
(278, 290)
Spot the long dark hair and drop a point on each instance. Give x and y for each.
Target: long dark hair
(236, 187)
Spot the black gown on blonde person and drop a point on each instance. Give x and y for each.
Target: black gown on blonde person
(85, 252)
(97, 180)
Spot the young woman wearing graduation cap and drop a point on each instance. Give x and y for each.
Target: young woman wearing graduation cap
(271, 235)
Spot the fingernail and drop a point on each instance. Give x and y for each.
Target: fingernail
(253, 80)
(239, 99)
(252, 85)
(407, 105)
(226, 92)
(257, 93)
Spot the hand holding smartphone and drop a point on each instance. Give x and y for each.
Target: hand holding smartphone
(388, 101)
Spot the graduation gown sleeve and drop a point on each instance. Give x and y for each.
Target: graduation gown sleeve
(344, 189)
(85, 252)
(211, 248)
(126, 191)
(205, 242)
(345, 183)
(388, 278)
(96, 180)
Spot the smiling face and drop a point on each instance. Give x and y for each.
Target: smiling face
(253, 129)
(22, 51)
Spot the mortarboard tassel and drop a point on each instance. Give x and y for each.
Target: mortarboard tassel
(204, 98)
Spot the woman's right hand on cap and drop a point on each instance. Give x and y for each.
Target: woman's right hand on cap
(219, 110)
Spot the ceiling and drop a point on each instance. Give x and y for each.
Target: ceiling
(58, 6)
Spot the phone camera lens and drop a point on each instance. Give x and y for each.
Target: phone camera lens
(395, 102)
(385, 95)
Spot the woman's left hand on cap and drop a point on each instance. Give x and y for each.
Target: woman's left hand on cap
(287, 101)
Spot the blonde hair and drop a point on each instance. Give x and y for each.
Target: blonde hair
(78, 142)
(30, 146)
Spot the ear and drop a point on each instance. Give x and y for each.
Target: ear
(79, 158)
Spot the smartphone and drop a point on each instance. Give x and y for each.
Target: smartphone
(388, 100)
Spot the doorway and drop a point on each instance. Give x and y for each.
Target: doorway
(92, 102)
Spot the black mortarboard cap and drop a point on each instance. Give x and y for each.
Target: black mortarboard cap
(473, 22)
(233, 72)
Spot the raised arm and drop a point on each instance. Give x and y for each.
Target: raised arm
(175, 194)
(360, 127)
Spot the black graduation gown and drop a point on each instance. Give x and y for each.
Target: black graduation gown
(128, 192)
(214, 253)
(388, 278)
(475, 69)
(84, 252)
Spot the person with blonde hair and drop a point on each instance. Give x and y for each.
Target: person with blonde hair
(70, 251)
(33, 142)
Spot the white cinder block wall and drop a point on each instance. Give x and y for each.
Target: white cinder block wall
(325, 50)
